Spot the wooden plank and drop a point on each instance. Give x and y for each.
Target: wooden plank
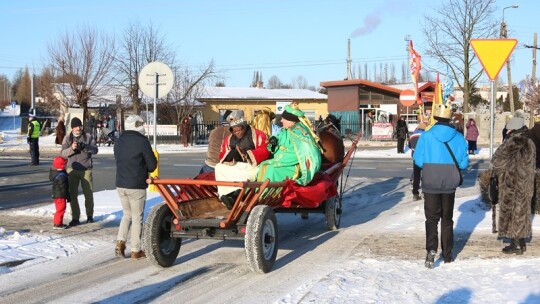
(204, 208)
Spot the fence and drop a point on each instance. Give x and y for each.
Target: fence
(200, 132)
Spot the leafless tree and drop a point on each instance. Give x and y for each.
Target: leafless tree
(300, 82)
(274, 82)
(139, 45)
(22, 87)
(448, 31)
(531, 96)
(188, 87)
(84, 58)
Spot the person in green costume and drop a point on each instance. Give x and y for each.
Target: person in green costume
(296, 154)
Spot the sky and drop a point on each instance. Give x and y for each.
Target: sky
(359, 280)
(284, 38)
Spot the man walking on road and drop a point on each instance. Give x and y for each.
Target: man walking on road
(78, 147)
(34, 130)
(134, 162)
(441, 152)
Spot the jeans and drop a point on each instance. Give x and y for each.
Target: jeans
(133, 201)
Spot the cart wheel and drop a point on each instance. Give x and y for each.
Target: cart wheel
(261, 240)
(160, 248)
(333, 212)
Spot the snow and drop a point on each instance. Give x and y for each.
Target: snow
(360, 279)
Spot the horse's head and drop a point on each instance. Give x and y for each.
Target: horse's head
(331, 119)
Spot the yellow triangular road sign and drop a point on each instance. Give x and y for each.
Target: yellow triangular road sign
(493, 53)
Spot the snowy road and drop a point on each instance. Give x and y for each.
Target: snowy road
(381, 227)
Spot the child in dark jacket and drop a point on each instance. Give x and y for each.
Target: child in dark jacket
(60, 191)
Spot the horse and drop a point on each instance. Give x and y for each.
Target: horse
(330, 139)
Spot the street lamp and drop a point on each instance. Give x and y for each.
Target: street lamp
(504, 34)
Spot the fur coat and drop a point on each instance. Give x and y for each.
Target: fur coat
(514, 164)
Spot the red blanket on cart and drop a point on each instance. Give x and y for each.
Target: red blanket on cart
(322, 187)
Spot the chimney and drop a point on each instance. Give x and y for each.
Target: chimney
(349, 70)
(260, 85)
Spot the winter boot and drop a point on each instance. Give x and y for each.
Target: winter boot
(514, 247)
(416, 197)
(430, 259)
(523, 245)
(120, 248)
(138, 255)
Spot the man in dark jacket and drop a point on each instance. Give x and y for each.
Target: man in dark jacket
(134, 161)
(417, 171)
(439, 152)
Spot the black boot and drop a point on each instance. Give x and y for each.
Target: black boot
(514, 247)
(523, 245)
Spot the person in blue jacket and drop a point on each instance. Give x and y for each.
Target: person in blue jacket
(435, 153)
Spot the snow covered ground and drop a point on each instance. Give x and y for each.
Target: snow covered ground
(359, 280)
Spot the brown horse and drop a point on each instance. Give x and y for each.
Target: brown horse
(331, 140)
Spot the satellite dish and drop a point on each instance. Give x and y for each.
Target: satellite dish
(147, 79)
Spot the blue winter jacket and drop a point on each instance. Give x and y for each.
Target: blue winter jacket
(439, 172)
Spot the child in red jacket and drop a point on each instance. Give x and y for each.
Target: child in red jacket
(60, 191)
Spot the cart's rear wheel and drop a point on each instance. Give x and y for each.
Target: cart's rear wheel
(160, 248)
(333, 212)
(261, 240)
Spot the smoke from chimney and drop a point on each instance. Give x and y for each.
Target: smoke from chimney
(370, 24)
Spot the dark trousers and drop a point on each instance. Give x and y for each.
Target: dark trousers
(472, 145)
(417, 174)
(34, 150)
(439, 207)
(400, 145)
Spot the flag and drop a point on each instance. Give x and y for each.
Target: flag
(448, 88)
(415, 62)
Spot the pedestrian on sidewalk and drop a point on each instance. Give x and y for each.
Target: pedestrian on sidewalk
(60, 131)
(514, 164)
(34, 130)
(402, 132)
(78, 147)
(134, 162)
(441, 152)
(472, 135)
(417, 171)
(60, 190)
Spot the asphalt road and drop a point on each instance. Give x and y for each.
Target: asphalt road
(23, 185)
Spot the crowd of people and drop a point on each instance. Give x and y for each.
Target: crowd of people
(287, 148)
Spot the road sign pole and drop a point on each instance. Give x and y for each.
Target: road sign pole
(155, 111)
(491, 118)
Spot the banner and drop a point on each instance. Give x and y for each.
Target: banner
(382, 130)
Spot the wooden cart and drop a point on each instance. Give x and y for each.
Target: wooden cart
(191, 209)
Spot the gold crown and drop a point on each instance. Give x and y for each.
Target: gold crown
(440, 110)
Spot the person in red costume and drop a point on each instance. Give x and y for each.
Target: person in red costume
(239, 156)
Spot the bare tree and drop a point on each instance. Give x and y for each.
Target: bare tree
(22, 87)
(84, 58)
(531, 96)
(300, 82)
(274, 82)
(188, 87)
(139, 45)
(448, 31)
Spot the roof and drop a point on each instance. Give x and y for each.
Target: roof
(256, 93)
(393, 88)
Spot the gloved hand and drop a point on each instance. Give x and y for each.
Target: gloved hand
(273, 141)
(28, 140)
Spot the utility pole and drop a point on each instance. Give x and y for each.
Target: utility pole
(534, 47)
(504, 34)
